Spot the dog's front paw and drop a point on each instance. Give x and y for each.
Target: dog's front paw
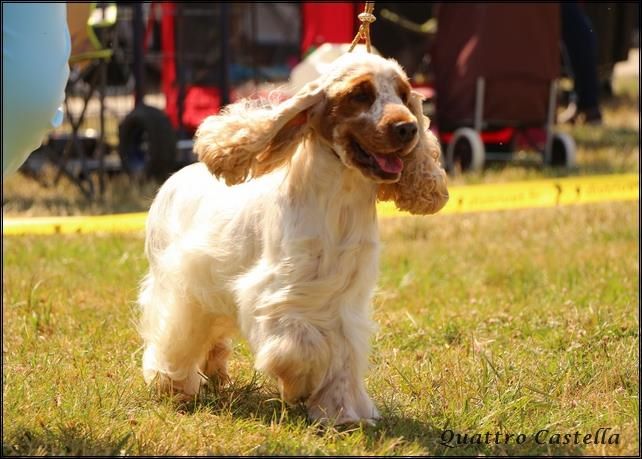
(184, 388)
(342, 410)
(181, 382)
(342, 419)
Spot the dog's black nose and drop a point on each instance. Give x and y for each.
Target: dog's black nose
(405, 131)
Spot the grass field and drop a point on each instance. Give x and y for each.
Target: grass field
(504, 323)
(494, 322)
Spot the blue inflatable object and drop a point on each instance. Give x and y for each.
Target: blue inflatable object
(35, 53)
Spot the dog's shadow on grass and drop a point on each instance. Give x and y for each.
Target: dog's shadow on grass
(254, 399)
(63, 441)
(259, 400)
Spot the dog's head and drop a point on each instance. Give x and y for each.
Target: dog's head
(375, 122)
(364, 109)
(367, 117)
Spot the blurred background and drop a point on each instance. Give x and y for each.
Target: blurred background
(513, 90)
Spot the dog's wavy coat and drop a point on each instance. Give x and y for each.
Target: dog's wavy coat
(289, 257)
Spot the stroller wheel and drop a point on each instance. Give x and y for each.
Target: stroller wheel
(466, 151)
(562, 150)
(147, 143)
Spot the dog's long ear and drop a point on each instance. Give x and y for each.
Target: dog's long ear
(422, 187)
(245, 141)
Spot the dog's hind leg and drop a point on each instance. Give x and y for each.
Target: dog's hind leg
(177, 334)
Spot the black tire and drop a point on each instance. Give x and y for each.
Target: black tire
(147, 143)
(466, 150)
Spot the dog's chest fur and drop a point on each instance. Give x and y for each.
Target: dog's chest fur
(323, 261)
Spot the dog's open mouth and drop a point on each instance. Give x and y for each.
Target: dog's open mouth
(384, 165)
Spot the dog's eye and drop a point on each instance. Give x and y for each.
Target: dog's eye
(361, 96)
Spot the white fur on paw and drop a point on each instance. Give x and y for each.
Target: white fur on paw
(188, 386)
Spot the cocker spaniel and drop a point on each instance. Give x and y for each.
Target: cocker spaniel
(274, 234)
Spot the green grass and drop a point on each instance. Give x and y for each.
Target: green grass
(505, 322)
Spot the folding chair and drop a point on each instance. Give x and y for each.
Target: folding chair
(80, 153)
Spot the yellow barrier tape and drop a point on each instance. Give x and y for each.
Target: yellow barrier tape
(535, 194)
(463, 199)
(118, 223)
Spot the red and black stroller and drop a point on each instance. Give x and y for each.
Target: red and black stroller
(210, 54)
(496, 67)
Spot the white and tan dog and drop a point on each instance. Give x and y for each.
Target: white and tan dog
(274, 233)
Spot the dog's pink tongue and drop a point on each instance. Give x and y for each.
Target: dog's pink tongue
(389, 163)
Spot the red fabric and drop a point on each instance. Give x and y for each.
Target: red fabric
(321, 23)
(500, 136)
(203, 101)
(513, 46)
(168, 73)
(524, 138)
(327, 23)
(200, 102)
